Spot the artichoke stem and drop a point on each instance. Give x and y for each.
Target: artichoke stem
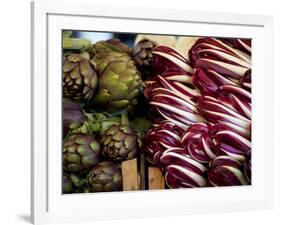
(67, 33)
(124, 119)
(76, 44)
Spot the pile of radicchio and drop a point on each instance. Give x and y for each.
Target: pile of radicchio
(203, 136)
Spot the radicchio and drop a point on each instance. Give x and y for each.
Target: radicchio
(181, 171)
(226, 171)
(159, 138)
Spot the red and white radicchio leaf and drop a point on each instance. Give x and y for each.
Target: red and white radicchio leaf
(208, 81)
(226, 171)
(214, 111)
(165, 135)
(198, 142)
(241, 44)
(214, 55)
(175, 102)
(232, 144)
(246, 80)
(236, 98)
(247, 165)
(166, 59)
(181, 171)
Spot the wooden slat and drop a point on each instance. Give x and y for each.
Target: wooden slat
(130, 175)
(155, 179)
(142, 172)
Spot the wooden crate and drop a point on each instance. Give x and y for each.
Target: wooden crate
(137, 174)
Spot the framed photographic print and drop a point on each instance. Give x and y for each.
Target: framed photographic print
(147, 115)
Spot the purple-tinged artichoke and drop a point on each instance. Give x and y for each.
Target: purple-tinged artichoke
(167, 59)
(226, 171)
(79, 78)
(181, 171)
(197, 140)
(159, 138)
(142, 55)
(72, 116)
(106, 176)
(80, 153)
(119, 142)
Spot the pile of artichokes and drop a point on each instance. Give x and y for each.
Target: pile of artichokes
(101, 90)
(189, 113)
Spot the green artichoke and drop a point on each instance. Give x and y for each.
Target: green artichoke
(119, 142)
(79, 78)
(106, 176)
(111, 45)
(80, 153)
(119, 81)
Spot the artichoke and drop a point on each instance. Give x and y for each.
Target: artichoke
(80, 153)
(106, 176)
(119, 81)
(111, 45)
(67, 186)
(119, 142)
(79, 78)
(72, 116)
(74, 184)
(79, 183)
(142, 54)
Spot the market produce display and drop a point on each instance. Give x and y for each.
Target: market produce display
(177, 113)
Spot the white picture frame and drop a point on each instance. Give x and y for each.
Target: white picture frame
(48, 205)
